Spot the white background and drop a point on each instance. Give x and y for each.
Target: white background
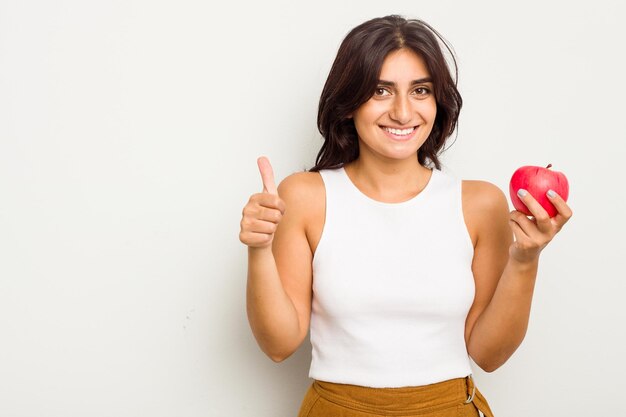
(129, 132)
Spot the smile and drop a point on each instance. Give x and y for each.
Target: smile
(399, 134)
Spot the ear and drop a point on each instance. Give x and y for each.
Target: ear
(349, 116)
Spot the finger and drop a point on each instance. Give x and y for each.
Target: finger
(527, 225)
(260, 211)
(254, 239)
(564, 211)
(539, 213)
(271, 201)
(261, 226)
(518, 231)
(267, 175)
(270, 215)
(522, 248)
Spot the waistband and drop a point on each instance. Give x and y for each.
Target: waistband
(400, 401)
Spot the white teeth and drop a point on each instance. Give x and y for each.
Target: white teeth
(399, 132)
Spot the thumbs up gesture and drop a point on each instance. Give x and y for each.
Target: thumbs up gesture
(263, 211)
(267, 175)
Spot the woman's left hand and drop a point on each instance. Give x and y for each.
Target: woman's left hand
(534, 234)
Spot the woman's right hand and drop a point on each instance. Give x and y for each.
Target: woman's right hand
(263, 212)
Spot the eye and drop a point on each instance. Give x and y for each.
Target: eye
(422, 91)
(381, 91)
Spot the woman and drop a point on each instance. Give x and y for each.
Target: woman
(401, 270)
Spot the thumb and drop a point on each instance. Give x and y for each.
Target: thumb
(267, 175)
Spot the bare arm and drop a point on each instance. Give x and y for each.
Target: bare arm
(502, 326)
(271, 313)
(505, 272)
(279, 268)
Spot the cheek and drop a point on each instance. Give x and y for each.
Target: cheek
(429, 111)
(366, 116)
(363, 129)
(434, 115)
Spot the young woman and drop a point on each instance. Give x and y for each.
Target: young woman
(401, 271)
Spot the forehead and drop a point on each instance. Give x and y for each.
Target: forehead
(403, 65)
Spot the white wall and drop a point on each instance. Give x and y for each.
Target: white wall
(129, 132)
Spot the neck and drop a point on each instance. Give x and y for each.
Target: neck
(388, 181)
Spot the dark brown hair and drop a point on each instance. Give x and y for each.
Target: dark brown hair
(354, 76)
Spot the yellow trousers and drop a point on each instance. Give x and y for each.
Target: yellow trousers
(453, 398)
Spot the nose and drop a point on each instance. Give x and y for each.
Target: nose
(401, 109)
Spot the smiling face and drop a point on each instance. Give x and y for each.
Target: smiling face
(398, 118)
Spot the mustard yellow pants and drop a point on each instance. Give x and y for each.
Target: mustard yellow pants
(453, 398)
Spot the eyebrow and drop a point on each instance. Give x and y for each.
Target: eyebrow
(392, 84)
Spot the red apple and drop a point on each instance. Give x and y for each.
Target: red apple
(537, 181)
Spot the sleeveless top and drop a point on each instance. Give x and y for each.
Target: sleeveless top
(392, 286)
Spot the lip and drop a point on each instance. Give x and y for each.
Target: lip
(399, 138)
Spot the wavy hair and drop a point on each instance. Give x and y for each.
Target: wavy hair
(354, 76)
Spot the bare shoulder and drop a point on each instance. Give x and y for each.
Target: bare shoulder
(302, 189)
(483, 202)
(301, 181)
(483, 194)
(304, 194)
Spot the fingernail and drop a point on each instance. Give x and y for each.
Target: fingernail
(521, 192)
(551, 193)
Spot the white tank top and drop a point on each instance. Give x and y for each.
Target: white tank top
(392, 286)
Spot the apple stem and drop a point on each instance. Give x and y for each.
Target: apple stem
(549, 165)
